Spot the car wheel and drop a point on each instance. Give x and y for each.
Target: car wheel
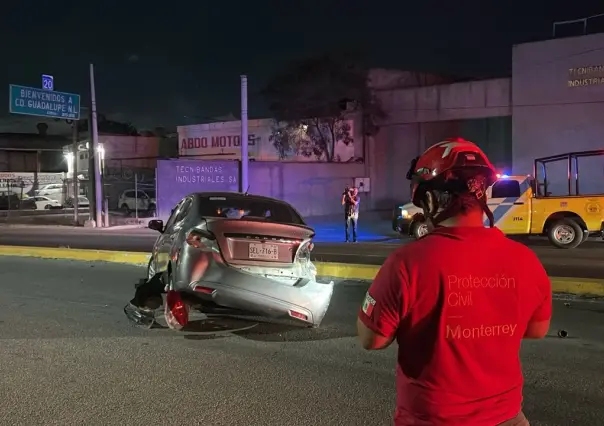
(47, 207)
(565, 234)
(176, 310)
(125, 208)
(419, 229)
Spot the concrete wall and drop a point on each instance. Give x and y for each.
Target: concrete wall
(494, 136)
(559, 104)
(392, 150)
(392, 79)
(315, 189)
(422, 116)
(458, 101)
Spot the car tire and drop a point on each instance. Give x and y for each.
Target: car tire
(47, 207)
(565, 234)
(172, 298)
(125, 208)
(418, 229)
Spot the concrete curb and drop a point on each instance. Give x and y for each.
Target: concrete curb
(76, 254)
(344, 271)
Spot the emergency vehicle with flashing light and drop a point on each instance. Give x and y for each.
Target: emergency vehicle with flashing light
(523, 205)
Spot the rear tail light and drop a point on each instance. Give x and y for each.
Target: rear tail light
(200, 238)
(298, 315)
(177, 308)
(204, 290)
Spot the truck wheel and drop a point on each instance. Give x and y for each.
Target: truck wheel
(565, 234)
(419, 229)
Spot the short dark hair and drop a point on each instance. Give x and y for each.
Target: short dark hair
(463, 203)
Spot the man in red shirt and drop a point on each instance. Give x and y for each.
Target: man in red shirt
(458, 301)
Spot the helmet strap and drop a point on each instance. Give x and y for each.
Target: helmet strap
(487, 211)
(430, 207)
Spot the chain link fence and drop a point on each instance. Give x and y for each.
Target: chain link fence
(38, 198)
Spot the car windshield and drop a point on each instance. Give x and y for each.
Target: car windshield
(244, 207)
(151, 194)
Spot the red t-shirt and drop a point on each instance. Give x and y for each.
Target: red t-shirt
(458, 301)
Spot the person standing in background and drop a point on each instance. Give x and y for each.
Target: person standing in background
(350, 201)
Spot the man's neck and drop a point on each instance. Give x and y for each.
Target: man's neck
(471, 219)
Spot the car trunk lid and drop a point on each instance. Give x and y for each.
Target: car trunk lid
(258, 242)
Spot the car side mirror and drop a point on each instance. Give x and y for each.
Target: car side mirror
(156, 225)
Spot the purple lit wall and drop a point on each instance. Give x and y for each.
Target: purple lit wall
(179, 178)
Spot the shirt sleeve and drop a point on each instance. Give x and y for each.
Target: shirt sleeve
(383, 306)
(543, 312)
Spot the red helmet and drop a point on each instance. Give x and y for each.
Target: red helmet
(451, 159)
(453, 165)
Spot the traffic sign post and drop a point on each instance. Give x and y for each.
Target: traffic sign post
(48, 82)
(43, 102)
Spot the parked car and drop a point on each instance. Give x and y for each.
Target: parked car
(137, 200)
(241, 252)
(13, 202)
(45, 203)
(82, 202)
(53, 190)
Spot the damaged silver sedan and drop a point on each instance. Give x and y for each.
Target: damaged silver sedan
(237, 251)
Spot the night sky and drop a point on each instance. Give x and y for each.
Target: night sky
(158, 64)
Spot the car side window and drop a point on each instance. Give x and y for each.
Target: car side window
(184, 210)
(172, 218)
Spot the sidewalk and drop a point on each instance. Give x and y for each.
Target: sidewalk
(375, 226)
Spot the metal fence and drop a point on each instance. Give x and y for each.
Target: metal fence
(29, 197)
(129, 186)
(48, 198)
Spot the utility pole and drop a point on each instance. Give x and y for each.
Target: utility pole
(243, 186)
(76, 154)
(94, 132)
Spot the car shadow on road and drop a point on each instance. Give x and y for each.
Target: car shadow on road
(261, 329)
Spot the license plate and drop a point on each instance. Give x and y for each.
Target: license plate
(263, 251)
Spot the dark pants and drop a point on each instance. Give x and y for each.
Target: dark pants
(351, 221)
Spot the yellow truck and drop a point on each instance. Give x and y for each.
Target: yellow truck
(525, 205)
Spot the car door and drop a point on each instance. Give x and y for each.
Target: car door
(167, 243)
(508, 201)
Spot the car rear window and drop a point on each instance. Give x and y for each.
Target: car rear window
(240, 208)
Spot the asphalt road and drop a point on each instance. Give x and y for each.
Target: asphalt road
(68, 356)
(584, 262)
